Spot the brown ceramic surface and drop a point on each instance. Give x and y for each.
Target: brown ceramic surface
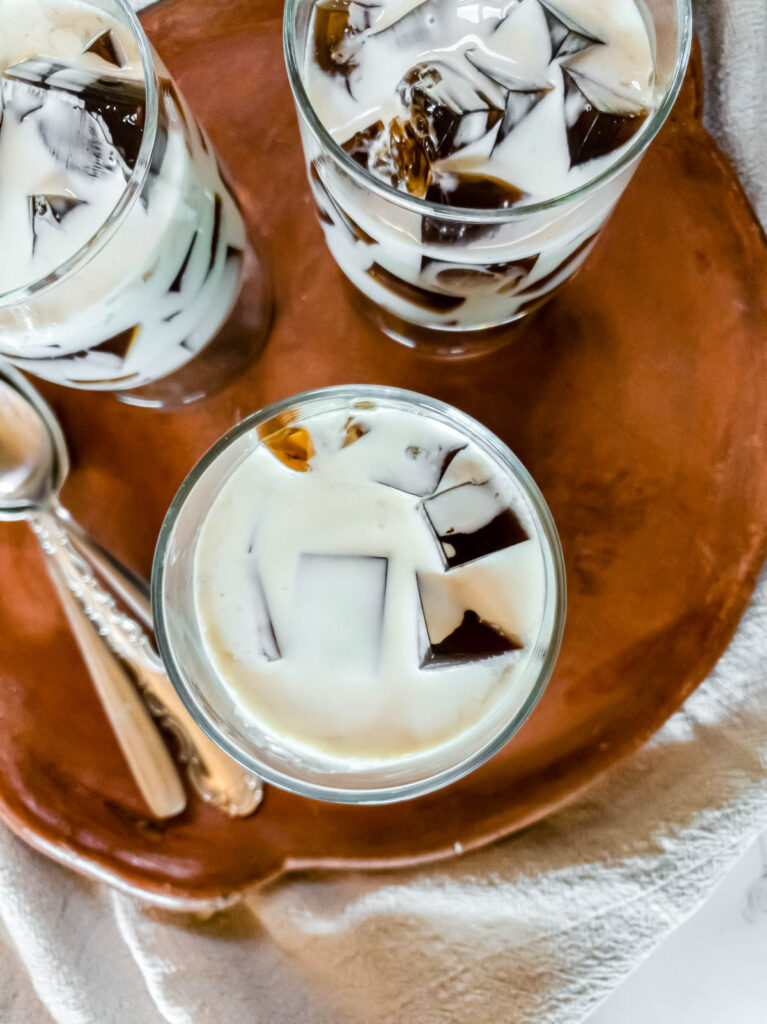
(637, 400)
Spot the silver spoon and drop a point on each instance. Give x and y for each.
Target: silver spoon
(33, 467)
(29, 467)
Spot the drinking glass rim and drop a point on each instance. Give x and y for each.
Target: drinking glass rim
(363, 177)
(553, 561)
(133, 186)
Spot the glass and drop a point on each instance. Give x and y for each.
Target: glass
(211, 704)
(167, 301)
(379, 235)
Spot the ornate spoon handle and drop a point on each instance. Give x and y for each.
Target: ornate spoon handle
(216, 777)
(147, 756)
(131, 589)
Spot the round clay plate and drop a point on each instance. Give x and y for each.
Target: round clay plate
(636, 399)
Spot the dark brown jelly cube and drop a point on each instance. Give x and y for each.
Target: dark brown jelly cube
(475, 191)
(593, 132)
(436, 302)
(108, 47)
(359, 145)
(447, 109)
(293, 446)
(567, 37)
(338, 604)
(264, 626)
(473, 640)
(80, 115)
(471, 521)
(421, 468)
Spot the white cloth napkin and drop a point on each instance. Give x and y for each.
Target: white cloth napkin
(535, 930)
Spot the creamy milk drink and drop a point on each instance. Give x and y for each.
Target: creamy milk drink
(482, 106)
(73, 116)
(369, 583)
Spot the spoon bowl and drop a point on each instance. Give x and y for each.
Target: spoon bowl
(34, 461)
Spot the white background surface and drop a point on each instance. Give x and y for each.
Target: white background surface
(713, 969)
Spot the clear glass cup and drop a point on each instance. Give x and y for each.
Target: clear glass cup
(210, 702)
(167, 301)
(379, 235)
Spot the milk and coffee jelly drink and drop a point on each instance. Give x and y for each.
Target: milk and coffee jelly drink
(478, 106)
(370, 583)
(146, 280)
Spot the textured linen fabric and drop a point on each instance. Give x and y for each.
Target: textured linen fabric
(537, 929)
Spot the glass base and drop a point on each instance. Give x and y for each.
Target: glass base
(238, 343)
(437, 342)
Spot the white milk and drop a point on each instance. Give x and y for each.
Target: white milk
(311, 587)
(156, 293)
(556, 90)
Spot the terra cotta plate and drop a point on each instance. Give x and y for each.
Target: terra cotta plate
(636, 399)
